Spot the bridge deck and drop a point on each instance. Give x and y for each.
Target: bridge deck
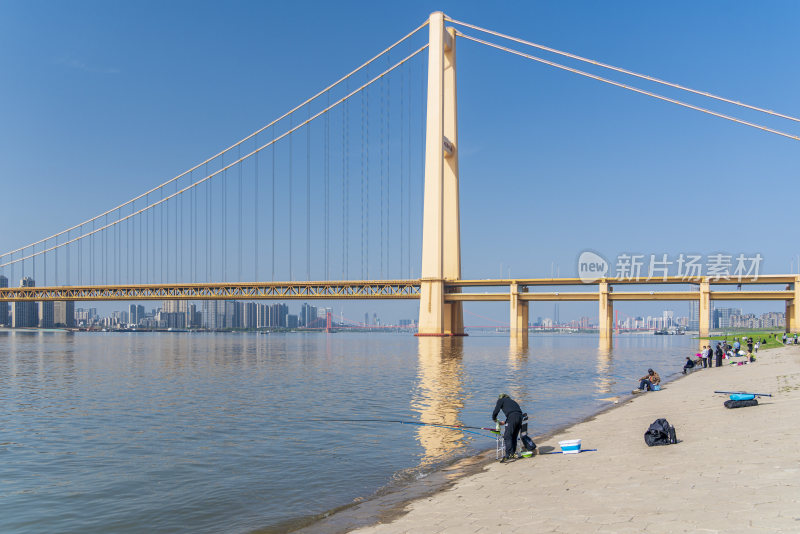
(388, 289)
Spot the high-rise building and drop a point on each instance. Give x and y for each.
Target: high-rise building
(135, 313)
(4, 305)
(213, 314)
(25, 313)
(46, 314)
(233, 314)
(249, 317)
(262, 321)
(308, 316)
(174, 306)
(192, 319)
(694, 315)
(64, 313)
(277, 315)
(722, 316)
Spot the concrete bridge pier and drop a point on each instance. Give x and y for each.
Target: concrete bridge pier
(705, 308)
(606, 315)
(518, 324)
(793, 308)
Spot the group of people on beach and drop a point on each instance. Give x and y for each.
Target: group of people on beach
(723, 349)
(787, 340)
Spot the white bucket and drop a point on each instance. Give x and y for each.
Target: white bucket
(570, 446)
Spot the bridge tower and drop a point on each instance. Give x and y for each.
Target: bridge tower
(441, 234)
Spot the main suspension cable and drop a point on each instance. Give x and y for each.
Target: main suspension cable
(628, 87)
(624, 71)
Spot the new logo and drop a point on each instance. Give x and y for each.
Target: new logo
(591, 266)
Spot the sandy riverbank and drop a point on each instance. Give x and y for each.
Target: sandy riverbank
(733, 471)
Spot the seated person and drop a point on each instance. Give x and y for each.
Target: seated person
(649, 380)
(688, 365)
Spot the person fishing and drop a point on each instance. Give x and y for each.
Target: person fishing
(513, 422)
(647, 382)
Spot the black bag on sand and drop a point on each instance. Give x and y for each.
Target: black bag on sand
(741, 404)
(527, 442)
(660, 433)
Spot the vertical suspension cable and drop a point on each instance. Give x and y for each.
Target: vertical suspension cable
(422, 124)
(178, 234)
(366, 185)
(308, 197)
(327, 186)
(239, 165)
(388, 173)
(192, 211)
(104, 253)
(291, 179)
(402, 157)
(224, 200)
(195, 231)
(381, 131)
(162, 259)
(141, 252)
(273, 203)
(131, 223)
(118, 245)
(93, 280)
(363, 277)
(408, 174)
(208, 226)
(346, 184)
(255, 210)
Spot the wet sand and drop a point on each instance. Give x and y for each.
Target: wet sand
(733, 471)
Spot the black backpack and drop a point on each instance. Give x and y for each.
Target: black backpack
(527, 442)
(660, 433)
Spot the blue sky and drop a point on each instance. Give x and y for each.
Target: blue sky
(100, 101)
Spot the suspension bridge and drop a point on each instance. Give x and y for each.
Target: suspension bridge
(352, 194)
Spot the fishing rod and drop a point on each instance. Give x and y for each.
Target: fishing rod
(744, 393)
(463, 428)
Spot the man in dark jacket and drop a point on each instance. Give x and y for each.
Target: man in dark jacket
(513, 422)
(719, 355)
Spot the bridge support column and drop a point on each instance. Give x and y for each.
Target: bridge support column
(441, 235)
(606, 311)
(704, 309)
(518, 324)
(793, 309)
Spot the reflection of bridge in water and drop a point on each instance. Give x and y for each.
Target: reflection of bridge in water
(277, 202)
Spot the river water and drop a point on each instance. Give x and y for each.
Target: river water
(186, 432)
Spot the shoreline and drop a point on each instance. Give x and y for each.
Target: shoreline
(389, 503)
(465, 504)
